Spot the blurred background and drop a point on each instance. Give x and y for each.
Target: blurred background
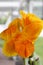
(9, 9)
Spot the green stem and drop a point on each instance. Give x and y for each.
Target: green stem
(25, 61)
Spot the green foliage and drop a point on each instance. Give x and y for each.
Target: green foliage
(39, 48)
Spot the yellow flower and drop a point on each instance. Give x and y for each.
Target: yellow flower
(21, 34)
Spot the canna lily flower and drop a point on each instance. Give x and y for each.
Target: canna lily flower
(24, 32)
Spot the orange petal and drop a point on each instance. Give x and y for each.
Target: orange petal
(23, 14)
(28, 18)
(25, 18)
(32, 25)
(9, 49)
(16, 22)
(8, 33)
(33, 30)
(24, 48)
(34, 18)
(11, 30)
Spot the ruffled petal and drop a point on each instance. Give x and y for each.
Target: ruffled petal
(11, 30)
(32, 25)
(24, 48)
(33, 30)
(8, 33)
(9, 48)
